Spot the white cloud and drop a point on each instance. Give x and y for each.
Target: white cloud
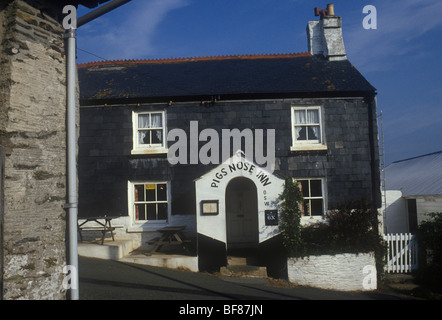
(130, 35)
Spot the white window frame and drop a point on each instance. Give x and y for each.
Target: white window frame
(323, 197)
(301, 145)
(132, 203)
(148, 148)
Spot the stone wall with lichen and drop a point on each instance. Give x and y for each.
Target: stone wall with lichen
(32, 131)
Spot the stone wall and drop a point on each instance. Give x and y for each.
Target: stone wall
(32, 131)
(345, 272)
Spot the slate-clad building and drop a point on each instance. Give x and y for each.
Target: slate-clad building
(158, 140)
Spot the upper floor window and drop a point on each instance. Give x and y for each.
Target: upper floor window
(307, 128)
(149, 131)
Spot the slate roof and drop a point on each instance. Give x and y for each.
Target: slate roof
(224, 76)
(419, 176)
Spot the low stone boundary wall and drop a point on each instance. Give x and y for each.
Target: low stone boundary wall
(344, 272)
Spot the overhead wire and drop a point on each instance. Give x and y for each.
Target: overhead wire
(93, 54)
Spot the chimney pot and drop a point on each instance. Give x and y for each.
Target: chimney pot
(330, 9)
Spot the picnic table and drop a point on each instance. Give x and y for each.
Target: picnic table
(171, 235)
(103, 224)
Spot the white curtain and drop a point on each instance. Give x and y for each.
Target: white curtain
(313, 118)
(156, 120)
(299, 119)
(149, 121)
(300, 116)
(307, 117)
(143, 122)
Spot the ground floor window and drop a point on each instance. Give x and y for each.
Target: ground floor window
(150, 201)
(314, 196)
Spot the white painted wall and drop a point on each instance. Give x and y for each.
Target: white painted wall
(344, 272)
(427, 204)
(396, 215)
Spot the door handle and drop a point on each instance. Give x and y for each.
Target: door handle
(240, 216)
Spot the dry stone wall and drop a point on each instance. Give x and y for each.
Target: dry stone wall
(32, 131)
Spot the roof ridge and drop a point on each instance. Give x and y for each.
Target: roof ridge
(194, 59)
(419, 156)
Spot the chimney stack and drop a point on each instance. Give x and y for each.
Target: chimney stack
(325, 36)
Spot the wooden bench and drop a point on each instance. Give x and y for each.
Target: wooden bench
(102, 226)
(169, 236)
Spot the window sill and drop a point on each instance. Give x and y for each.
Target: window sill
(308, 147)
(149, 151)
(309, 220)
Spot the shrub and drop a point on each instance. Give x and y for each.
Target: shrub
(430, 235)
(291, 217)
(350, 229)
(430, 243)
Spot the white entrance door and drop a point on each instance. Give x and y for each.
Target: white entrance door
(241, 213)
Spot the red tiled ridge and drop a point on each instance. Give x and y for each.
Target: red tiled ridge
(194, 59)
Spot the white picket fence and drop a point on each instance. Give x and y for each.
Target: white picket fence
(402, 253)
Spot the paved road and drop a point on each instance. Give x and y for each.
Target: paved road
(112, 280)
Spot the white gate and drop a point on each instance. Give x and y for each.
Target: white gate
(402, 252)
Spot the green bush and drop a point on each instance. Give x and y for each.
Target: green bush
(290, 224)
(352, 228)
(430, 235)
(430, 243)
(349, 229)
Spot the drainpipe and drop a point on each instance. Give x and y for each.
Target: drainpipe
(72, 203)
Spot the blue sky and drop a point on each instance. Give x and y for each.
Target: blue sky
(401, 58)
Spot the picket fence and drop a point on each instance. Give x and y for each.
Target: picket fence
(402, 253)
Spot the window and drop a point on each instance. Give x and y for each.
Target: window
(307, 128)
(149, 131)
(313, 193)
(150, 201)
